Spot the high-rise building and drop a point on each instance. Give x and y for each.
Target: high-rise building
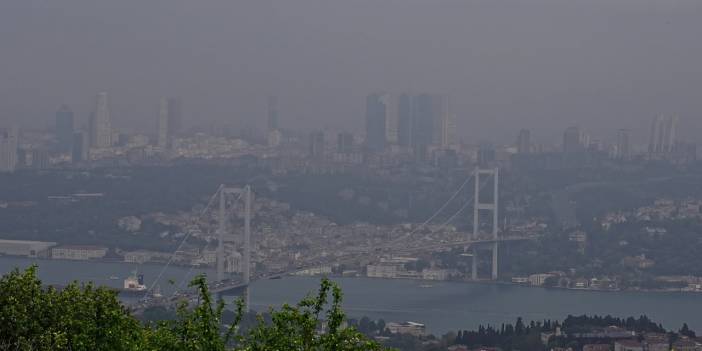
(64, 128)
(404, 121)
(316, 146)
(376, 121)
(40, 159)
(175, 113)
(671, 133)
(573, 140)
(444, 122)
(486, 155)
(101, 123)
(344, 143)
(164, 125)
(425, 120)
(169, 120)
(272, 114)
(623, 150)
(524, 142)
(9, 143)
(663, 134)
(391, 121)
(81, 143)
(164, 135)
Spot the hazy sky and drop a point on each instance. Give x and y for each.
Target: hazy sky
(507, 64)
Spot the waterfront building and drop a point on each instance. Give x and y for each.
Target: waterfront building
(383, 270)
(78, 252)
(25, 248)
(411, 328)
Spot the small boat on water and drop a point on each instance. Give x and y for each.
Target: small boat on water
(135, 282)
(114, 277)
(425, 286)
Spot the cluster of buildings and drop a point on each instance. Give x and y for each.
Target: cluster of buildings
(615, 338)
(662, 209)
(569, 281)
(51, 250)
(398, 129)
(393, 267)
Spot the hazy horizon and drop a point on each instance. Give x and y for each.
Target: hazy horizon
(539, 64)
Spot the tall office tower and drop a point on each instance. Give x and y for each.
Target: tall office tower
(344, 143)
(376, 121)
(175, 116)
(524, 141)
(391, 121)
(486, 155)
(164, 125)
(623, 144)
(656, 140)
(81, 143)
(169, 121)
(663, 134)
(101, 124)
(316, 146)
(64, 128)
(40, 159)
(444, 122)
(272, 107)
(404, 121)
(9, 142)
(670, 130)
(423, 123)
(573, 140)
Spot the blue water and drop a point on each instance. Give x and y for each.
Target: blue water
(444, 306)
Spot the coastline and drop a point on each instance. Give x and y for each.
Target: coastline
(421, 281)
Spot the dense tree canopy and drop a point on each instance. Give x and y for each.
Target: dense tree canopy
(85, 317)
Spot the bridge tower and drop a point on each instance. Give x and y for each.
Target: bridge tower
(244, 193)
(489, 206)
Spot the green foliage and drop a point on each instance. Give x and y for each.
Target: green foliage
(82, 317)
(74, 318)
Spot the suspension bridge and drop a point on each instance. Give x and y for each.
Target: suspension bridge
(473, 242)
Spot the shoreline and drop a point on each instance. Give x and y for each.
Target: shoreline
(504, 283)
(421, 281)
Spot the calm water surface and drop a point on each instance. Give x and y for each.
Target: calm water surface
(443, 306)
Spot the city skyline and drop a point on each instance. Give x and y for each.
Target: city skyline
(501, 64)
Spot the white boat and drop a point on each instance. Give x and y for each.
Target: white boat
(134, 282)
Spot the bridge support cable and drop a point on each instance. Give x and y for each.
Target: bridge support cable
(182, 242)
(441, 209)
(467, 203)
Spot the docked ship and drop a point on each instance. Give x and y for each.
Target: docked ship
(133, 285)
